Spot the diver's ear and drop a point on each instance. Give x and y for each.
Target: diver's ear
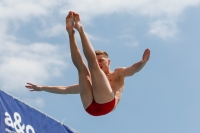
(109, 62)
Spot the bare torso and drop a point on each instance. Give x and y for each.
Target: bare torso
(117, 84)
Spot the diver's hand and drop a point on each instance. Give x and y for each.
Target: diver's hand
(146, 55)
(33, 87)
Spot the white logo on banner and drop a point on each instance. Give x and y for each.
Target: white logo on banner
(17, 124)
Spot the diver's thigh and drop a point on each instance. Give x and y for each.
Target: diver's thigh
(85, 88)
(101, 88)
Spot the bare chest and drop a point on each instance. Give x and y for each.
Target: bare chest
(116, 83)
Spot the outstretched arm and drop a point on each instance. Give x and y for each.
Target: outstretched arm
(73, 89)
(129, 71)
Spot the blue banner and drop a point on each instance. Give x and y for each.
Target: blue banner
(17, 117)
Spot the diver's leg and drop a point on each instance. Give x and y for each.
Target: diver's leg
(102, 90)
(84, 75)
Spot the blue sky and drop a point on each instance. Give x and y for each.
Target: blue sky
(162, 98)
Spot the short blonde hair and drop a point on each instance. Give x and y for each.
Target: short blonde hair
(100, 52)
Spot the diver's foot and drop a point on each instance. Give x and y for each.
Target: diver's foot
(70, 23)
(77, 20)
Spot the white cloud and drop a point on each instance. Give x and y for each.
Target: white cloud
(166, 7)
(25, 9)
(16, 13)
(36, 62)
(29, 10)
(95, 38)
(55, 30)
(163, 28)
(38, 102)
(132, 43)
(145, 7)
(129, 40)
(156, 10)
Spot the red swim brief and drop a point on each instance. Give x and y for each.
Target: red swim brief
(97, 109)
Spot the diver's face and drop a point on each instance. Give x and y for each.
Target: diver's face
(103, 62)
